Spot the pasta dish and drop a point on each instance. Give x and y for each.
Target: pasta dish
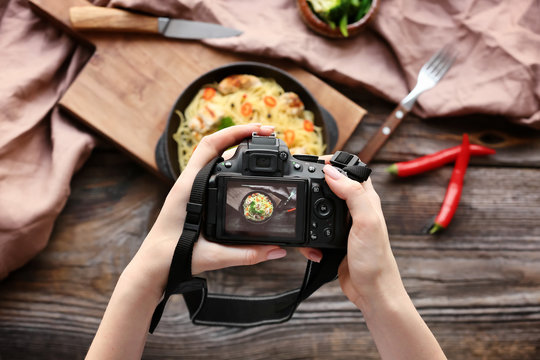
(244, 99)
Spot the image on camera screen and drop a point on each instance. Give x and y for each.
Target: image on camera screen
(261, 209)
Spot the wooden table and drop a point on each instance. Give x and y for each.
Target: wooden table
(477, 285)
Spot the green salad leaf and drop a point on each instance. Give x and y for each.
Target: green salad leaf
(340, 12)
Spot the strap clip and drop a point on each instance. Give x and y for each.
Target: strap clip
(343, 159)
(194, 208)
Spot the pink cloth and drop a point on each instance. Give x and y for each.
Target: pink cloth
(497, 72)
(39, 148)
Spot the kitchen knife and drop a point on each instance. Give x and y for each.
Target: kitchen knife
(117, 20)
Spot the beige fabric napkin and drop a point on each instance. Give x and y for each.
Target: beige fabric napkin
(497, 72)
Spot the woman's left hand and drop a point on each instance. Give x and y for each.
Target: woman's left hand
(151, 263)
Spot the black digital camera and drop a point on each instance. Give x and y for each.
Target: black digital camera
(263, 195)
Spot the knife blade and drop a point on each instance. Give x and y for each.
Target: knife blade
(98, 18)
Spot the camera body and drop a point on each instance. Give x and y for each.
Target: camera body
(263, 195)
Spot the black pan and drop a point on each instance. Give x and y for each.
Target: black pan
(166, 149)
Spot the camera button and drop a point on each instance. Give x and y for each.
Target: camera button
(313, 236)
(316, 188)
(311, 168)
(314, 225)
(323, 208)
(228, 164)
(283, 155)
(297, 166)
(328, 232)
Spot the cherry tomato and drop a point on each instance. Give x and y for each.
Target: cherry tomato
(289, 136)
(270, 101)
(308, 125)
(208, 93)
(246, 109)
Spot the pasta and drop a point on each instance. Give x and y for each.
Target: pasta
(257, 207)
(243, 99)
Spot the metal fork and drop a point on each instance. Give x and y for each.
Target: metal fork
(430, 74)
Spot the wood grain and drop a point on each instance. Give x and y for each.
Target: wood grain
(477, 284)
(127, 89)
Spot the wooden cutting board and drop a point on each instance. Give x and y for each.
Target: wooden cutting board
(129, 85)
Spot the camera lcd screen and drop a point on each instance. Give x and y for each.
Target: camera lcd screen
(262, 208)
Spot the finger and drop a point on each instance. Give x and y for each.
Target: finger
(208, 255)
(326, 158)
(229, 153)
(209, 148)
(213, 145)
(347, 189)
(311, 254)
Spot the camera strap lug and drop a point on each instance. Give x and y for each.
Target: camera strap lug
(352, 165)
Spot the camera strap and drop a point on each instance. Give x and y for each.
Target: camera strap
(233, 310)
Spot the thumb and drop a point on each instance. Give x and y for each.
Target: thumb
(208, 255)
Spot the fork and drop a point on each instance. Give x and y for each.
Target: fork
(430, 74)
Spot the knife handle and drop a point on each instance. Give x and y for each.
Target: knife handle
(109, 19)
(383, 133)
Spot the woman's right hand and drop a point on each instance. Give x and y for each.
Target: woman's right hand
(369, 267)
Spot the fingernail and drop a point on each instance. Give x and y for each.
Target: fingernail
(315, 256)
(267, 127)
(332, 172)
(276, 254)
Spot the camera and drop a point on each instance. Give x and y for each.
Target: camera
(263, 195)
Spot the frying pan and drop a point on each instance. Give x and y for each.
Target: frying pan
(166, 149)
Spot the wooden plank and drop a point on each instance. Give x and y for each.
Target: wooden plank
(516, 145)
(477, 285)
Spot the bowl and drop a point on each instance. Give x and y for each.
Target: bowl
(166, 150)
(241, 209)
(322, 28)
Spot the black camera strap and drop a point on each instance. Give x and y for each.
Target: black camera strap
(233, 310)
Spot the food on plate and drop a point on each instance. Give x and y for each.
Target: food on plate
(243, 99)
(340, 13)
(257, 207)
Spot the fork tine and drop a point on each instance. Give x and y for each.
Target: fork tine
(445, 69)
(433, 61)
(445, 66)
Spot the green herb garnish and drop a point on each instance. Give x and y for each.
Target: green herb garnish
(225, 122)
(253, 210)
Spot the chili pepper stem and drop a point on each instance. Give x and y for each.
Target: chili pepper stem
(435, 228)
(392, 169)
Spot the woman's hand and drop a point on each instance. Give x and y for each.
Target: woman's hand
(369, 266)
(152, 262)
(370, 278)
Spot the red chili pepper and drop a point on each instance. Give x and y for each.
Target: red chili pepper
(246, 109)
(435, 160)
(453, 192)
(289, 136)
(270, 101)
(308, 125)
